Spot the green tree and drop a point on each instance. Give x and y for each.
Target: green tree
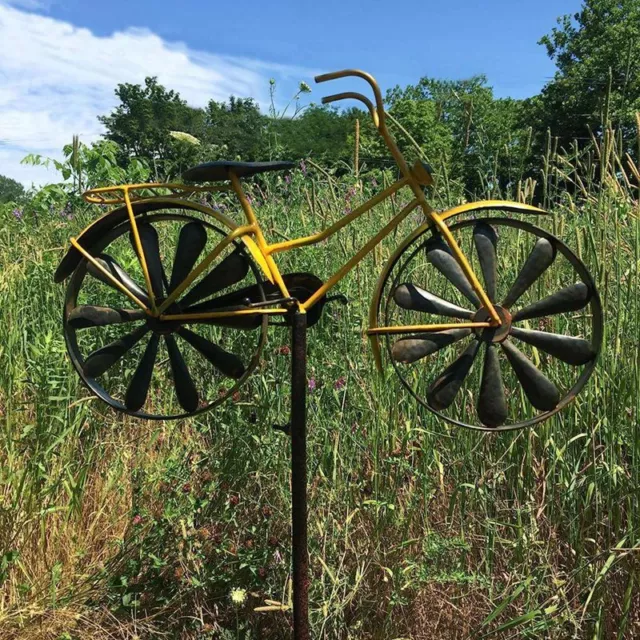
(236, 128)
(142, 124)
(319, 132)
(462, 129)
(597, 52)
(10, 190)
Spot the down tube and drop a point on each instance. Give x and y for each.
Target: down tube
(379, 237)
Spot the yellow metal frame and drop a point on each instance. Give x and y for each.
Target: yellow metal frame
(253, 238)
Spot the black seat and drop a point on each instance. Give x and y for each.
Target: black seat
(219, 170)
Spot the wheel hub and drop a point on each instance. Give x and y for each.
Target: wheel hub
(493, 334)
(163, 327)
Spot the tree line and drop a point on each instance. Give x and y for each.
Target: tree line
(470, 137)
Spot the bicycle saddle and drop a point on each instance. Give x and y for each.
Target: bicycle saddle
(219, 170)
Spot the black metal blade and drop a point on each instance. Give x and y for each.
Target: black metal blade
(486, 240)
(492, 404)
(227, 363)
(572, 298)
(575, 351)
(443, 391)
(409, 296)
(151, 247)
(539, 260)
(542, 393)
(119, 274)
(191, 242)
(104, 358)
(439, 255)
(234, 301)
(231, 270)
(87, 315)
(413, 348)
(185, 389)
(138, 388)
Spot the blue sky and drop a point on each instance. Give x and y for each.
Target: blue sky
(61, 59)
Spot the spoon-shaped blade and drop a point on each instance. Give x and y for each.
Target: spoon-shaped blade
(231, 270)
(492, 404)
(227, 363)
(87, 315)
(185, 389)
(439, 255)
(540, 391)
(119, 274)
(443, 391)
(572, 298)
(104, 358)
(138, 388)
(539, 260)
(413, 348)
(412, 297)
(191, 242)
(486, 240)
(151, 247)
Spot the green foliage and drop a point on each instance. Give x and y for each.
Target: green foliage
(597, 52)
(146, 523)
(236, 129)
(84, 167)
(321, 133)
(10, 190)
(142, 123)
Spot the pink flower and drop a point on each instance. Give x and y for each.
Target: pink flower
(137, 519)
(312, 384)
(339, 383)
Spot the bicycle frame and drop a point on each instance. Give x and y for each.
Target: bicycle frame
(251, 233)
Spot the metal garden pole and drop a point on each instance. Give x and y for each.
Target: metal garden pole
(298, 432)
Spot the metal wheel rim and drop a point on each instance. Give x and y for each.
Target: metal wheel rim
(75, 284)
(579, 268)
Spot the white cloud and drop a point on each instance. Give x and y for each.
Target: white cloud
(55, 79)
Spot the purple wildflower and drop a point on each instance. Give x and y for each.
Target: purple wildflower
(339, 383)
(287, 179)
(312, 384)
(303, 167)
(18, 213)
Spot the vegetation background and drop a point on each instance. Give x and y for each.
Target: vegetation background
(115, 528)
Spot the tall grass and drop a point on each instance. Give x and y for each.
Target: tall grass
(117, 528)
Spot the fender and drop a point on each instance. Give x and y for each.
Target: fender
(493, 205)
(94, 232)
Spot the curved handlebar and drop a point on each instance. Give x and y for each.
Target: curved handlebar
(354, 96)
(377, 112)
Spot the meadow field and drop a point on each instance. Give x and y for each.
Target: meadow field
(112, 527)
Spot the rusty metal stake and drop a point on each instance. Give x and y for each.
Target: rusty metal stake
(298, 428)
